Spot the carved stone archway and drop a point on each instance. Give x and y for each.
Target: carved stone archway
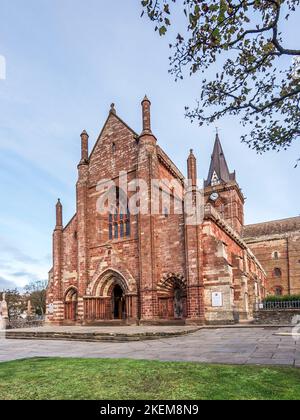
(172, 297)
(112, 297)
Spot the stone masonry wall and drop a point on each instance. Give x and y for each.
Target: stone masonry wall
(277, 317)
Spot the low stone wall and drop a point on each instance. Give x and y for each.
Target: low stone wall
(277, 317)
(24, 323)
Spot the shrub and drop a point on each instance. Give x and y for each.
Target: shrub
(287, 298)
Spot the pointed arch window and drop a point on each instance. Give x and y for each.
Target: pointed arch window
(119, 218)
(122, 229)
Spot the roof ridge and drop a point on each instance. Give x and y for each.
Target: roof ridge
(273, 221)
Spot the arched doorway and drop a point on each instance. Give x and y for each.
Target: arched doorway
(112, 298)
(71, 302)
(118, 302)
(178, 303)
(172, 299)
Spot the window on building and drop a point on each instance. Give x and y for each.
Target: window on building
(114, 147)
(110, 232)
(119, 218)
(116, 231)
(128, 227)
(276, 255)
(277, 272)
(278, 291)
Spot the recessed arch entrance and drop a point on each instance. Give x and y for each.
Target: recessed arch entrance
(118, 302)
(172, 298)
(112, 299)
(71, 303)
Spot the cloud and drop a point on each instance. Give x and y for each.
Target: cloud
(21, 274)
(15, 253)
(17, 268)
(27, 276)
(7, 284)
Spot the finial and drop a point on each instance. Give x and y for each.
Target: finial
(191, 151)
(112, 109)
(146, 99)
(58, 201)
(84, 133)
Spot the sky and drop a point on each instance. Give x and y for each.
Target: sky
(66, 62)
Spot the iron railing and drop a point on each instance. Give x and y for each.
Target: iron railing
(280, 305)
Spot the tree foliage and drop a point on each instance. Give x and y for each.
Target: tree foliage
(36, 293)
(16, 303)
(258, 80)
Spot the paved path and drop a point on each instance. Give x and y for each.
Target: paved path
(233, 346)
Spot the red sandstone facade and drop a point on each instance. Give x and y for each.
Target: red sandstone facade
(151, 268)
(277, 246)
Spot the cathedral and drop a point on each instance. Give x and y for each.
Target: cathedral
(116, 266)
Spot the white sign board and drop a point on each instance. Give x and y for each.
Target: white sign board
(50, 308)
(217, 300)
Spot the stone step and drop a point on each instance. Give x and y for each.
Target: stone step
(93, 337)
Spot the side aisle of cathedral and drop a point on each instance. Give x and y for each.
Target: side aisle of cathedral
(123, 268)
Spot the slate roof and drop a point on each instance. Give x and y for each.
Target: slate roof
(275, 227)
(219, 165)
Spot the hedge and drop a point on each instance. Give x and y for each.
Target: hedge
(288, 298)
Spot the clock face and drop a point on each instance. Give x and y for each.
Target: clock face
(214, 196)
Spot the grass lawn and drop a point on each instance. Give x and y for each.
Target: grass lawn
(96, 379)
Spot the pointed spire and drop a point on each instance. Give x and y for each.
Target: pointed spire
(218, 171)
(146, 106)
(59, 215)
(84, 147)
(192, 169)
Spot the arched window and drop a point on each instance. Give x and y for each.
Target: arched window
(277, 272)
(128, 226)
(116, 231)
(122, 229)
(276, 255)
(119, 217)
(278, 291)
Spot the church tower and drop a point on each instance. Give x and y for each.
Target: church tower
(222, 190)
